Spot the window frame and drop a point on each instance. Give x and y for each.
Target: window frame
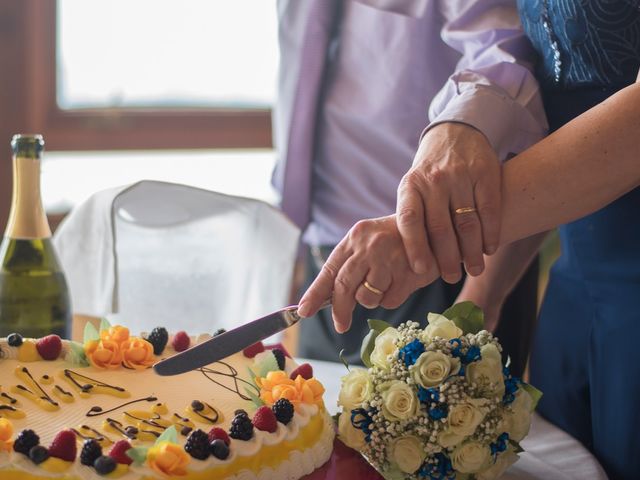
(127, 128)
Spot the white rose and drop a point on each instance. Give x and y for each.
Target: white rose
(441, 326)
(448, 439)
(465, 417)
(432, 368)
(348, 434)
(399, 402)
(407, 453)
(470, 457)
(518, 416)
(504, 461)
(487, 372)
(383, 347)
(356, 388)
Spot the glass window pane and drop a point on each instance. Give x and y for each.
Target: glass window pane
(165, 53)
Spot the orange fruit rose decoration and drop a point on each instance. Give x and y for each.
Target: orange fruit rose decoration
(117, 334)
(137, 353)
(168, 458)
(277, 385)
(6, 432)
(104, 354)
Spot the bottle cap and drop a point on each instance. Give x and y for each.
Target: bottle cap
(27, 144)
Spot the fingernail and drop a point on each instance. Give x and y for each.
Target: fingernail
(451, 277)
(303, 309)
(491, 249)
(475, 270)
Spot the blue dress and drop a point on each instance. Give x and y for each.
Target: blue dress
(586, 355)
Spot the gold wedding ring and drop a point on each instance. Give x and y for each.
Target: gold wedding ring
(461, 210)
(372, 289)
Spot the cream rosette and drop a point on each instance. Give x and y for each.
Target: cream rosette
(407, 453)
(356, 389)
(399, 401)
(487, 373)
(440, 326)
(384, 346)
(432, 368)
(348, 434)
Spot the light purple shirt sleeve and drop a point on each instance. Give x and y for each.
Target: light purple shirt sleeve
(493, 88)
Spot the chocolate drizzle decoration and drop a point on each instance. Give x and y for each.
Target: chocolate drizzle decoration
(209, 372)
(45, 396)
(63, 391)
(8, 397)
(91, 382)
(97, 410)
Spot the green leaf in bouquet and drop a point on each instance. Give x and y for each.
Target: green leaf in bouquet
(516, 446)
(368, 343)
(467, 316)
(377, 327)
(343, 360)
(536, 394)
(90, 333)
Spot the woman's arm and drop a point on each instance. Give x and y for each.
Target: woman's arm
(584, 166)
(580, 168)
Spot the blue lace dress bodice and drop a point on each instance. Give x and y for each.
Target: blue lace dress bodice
(584, 357)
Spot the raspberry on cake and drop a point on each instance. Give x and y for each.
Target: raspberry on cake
(85, 410)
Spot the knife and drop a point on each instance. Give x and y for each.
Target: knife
(228, 343)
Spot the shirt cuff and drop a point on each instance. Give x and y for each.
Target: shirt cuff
(509, 126)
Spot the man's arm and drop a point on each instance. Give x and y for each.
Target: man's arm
(488, 109)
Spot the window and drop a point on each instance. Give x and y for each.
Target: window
(156, 73)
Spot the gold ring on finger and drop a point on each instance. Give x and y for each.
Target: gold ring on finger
(372, 289)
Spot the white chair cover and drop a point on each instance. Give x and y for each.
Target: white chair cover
(158, 253)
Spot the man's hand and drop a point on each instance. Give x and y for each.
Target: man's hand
(455, 168)
(369, 266)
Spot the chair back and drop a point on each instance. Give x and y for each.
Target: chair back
(182, 257)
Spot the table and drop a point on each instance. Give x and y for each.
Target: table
(549, 453)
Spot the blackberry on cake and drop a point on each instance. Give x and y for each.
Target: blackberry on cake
(91, 450)
(25, 441)
(197, 445)
(241, 427)
(280, 357)
(158, 338)
(283, 410)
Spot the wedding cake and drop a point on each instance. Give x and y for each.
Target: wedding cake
(87, 410)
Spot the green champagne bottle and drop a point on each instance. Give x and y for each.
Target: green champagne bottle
(34, 298)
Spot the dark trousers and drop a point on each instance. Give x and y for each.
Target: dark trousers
(319, 340)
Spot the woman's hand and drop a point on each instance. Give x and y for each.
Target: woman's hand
(450, 201)
(369, 266)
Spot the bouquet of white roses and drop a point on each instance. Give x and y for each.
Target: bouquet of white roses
(435, 403)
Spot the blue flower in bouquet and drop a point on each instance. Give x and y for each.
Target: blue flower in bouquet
(361, 419)
(440, 411)
(472, 355)
(441, 469)
(466, 356)
(511, 385)
(428, 395)
(500, 445)
(411, 351)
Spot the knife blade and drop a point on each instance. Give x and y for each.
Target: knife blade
(228, 343)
